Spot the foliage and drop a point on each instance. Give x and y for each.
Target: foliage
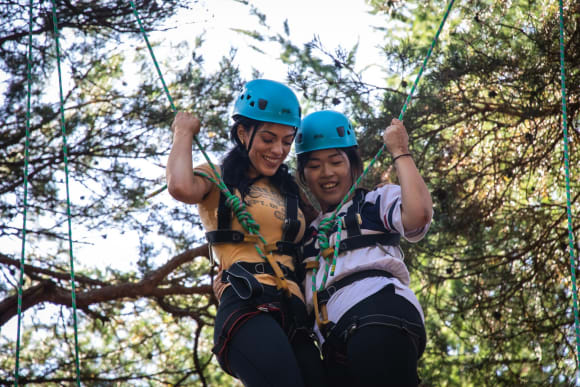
(149, 324)
(493, 275)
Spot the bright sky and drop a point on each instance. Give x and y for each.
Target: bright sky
(336, 22)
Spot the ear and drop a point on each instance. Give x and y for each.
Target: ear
(242, 134)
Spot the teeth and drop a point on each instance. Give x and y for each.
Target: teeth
(270, 159)
(329, 185)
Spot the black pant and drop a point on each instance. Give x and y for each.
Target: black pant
(376, 343)
(263, 342)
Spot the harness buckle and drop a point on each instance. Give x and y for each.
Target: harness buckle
(312, 265)
(328, 252)
(251, 238)
(260, 269)
(351, 328)
(270, 248)
(281, 282)
(321, 322)
(331, 290)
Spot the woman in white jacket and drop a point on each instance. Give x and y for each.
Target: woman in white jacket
(357, 284)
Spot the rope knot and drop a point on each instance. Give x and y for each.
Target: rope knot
(244, 217)
(324, 228)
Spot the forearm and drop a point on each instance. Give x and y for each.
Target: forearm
(417, 205)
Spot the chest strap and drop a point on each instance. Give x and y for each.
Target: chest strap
(321, 298)
(290, 228)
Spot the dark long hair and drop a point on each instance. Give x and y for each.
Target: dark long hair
(236, 162)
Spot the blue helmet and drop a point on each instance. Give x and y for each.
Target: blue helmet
(268, 101)
(325, 129)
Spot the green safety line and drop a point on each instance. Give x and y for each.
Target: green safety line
(327, 224)
(567, 168)
(234, 202)
(68, 205)
(24, 214)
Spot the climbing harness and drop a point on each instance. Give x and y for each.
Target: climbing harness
(290, 228)
(240, 275)
(353, 222)
(364, 230)
(288, 312)
(337, 335)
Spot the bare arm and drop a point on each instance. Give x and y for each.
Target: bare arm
(417, 206)
(182, 184)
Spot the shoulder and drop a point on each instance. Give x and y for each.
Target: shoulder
(208, 170)
(385, 192)
(209, 174)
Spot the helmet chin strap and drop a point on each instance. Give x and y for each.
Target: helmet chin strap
(252, 139)
(255, 129)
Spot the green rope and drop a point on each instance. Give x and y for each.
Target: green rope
(567, 168)
(234, 202)
(326, 225)
(68, 205)
(24, 211)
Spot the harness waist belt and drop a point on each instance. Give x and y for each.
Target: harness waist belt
(287, 248)
(367, 240)
(324, 295)
(258, 268)
(221, 236)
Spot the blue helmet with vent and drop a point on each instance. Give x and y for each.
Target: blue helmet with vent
(268, 101)
(325, 129)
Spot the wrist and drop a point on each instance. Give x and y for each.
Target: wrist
(395, 158)
(182, 132)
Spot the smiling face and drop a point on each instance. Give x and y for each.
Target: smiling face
(328, 176)
(269, 148)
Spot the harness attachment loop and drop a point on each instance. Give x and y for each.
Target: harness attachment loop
(320, 321)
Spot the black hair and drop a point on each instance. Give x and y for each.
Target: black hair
(236, 163)
(351, 152)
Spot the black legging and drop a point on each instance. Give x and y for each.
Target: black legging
(258, 350)
(377, 355)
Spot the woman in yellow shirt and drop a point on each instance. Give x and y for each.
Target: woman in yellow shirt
(260, 334)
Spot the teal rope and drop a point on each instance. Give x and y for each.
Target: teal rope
(326, 225)
(68, 205)
(233, 201)
(168, 95)
(24, 211)
(568, 205)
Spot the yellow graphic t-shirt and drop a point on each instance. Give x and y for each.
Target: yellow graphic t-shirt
(268, 208)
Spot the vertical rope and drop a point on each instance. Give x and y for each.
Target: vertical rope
(168, 95)
(68, 205)
(326, 226)
(567, 169)
(25, 205)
